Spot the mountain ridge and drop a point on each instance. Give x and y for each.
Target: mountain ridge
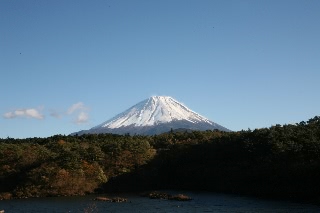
(154, 115)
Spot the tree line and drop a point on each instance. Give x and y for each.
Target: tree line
(280, 161)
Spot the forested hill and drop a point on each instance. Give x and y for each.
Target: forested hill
(280, 161)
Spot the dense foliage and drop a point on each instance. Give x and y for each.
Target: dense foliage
(67, 165)
(280, 161)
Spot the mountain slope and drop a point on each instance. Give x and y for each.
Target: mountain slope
(155, 115)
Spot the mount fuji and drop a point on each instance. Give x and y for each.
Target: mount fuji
(155, 115)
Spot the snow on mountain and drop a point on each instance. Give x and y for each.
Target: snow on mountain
(155, 115)
(152, 111)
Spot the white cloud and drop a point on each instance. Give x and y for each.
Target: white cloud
(55, 114)
(82, 118)
(79, 110)
(75, 107)
(27, 113)
(9, 115)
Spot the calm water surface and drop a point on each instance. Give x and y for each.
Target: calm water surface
(202, 202)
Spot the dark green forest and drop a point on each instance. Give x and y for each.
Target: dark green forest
(282, 161)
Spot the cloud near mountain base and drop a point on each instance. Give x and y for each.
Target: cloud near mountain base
(82, 118)
(80, 110)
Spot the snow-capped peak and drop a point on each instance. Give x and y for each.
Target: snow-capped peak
(152, 111)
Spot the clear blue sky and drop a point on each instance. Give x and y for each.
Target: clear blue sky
(70, 65)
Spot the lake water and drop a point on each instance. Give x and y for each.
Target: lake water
(202, 202)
